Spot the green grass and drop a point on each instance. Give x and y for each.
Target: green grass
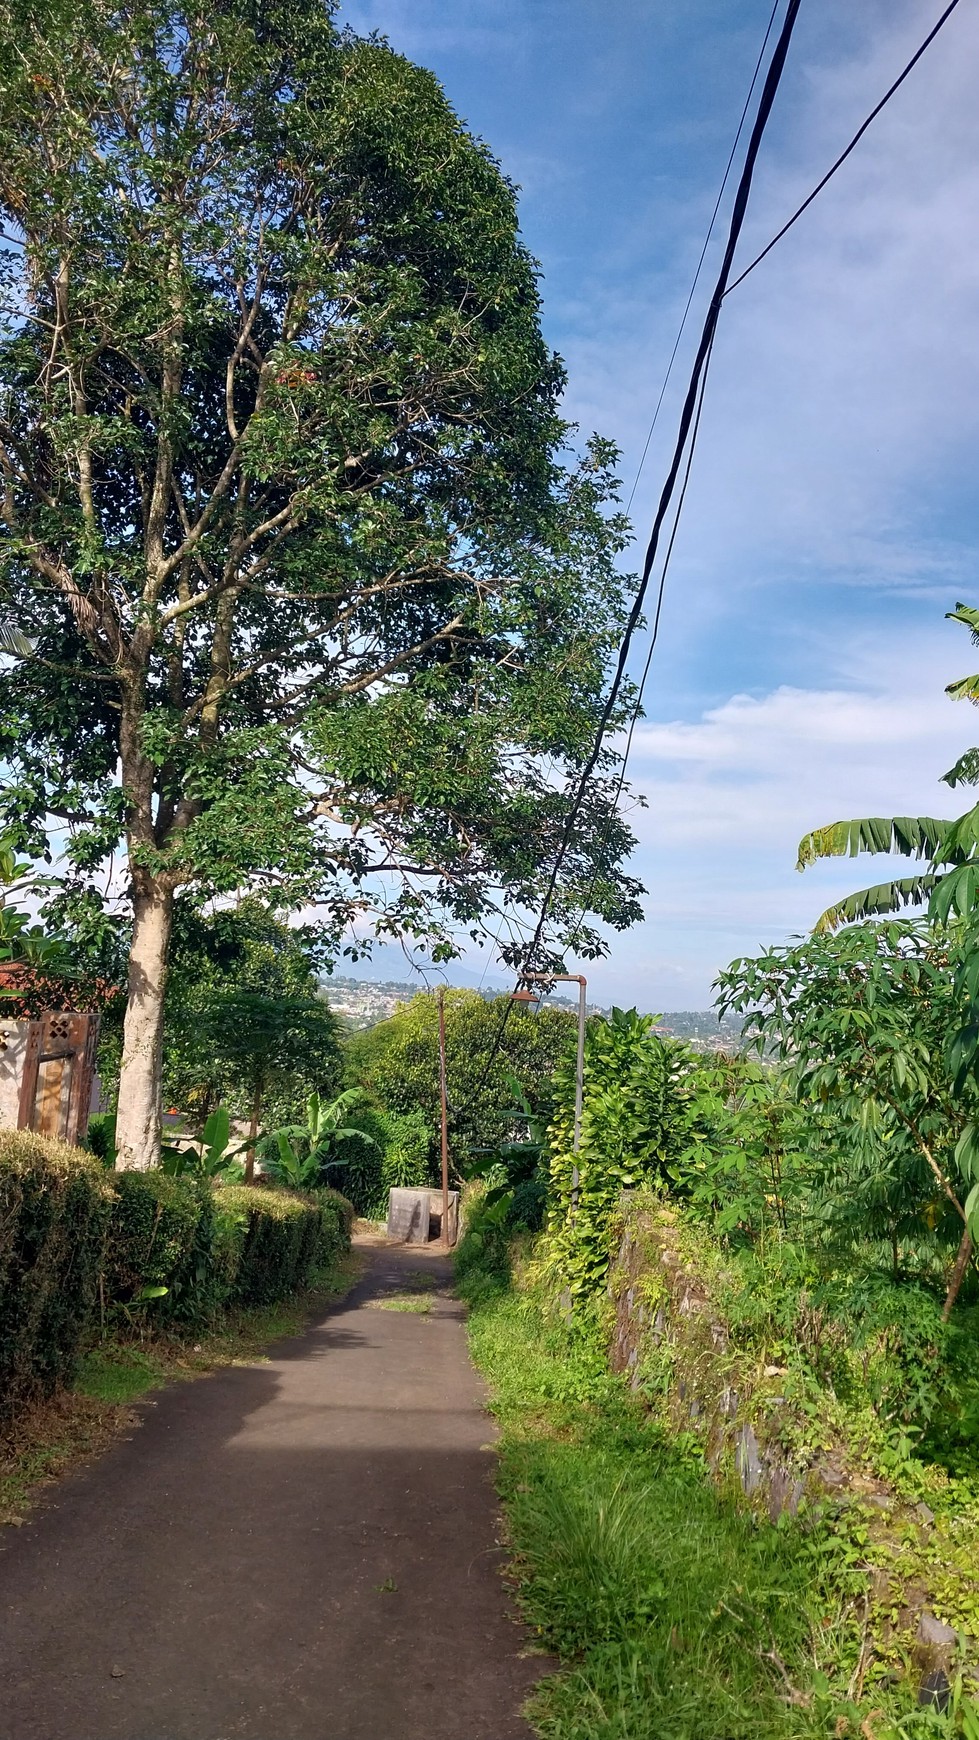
(418, 1306)
(679, 1616)
(118, 1373)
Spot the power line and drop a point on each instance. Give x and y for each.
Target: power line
(703, 255)
(772, 80)
(806, 203)
(689, 419)
(654, 637)
(854, 142)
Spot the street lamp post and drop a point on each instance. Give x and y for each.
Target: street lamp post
(578, 979)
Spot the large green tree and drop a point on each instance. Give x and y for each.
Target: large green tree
(489, 1047)
(315, 597)
(245, 1022)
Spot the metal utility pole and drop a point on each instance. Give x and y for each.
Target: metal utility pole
(444, 1106)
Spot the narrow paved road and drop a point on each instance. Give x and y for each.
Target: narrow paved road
(300, 1550)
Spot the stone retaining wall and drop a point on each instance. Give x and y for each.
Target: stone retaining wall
(670, 1339)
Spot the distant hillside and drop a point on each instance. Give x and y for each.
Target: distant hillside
(363, 1002)
(702, 1029)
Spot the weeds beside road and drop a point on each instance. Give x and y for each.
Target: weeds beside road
(677, 1615)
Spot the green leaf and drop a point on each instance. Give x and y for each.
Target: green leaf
(885, 898)
(910, 836)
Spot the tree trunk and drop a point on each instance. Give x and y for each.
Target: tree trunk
(958, 1274)
(141, 1076)
(253, 1135)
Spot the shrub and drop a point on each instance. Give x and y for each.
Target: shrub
(54, 1210)
(280, 1245)
(637, 1084)
(138, 1243)
(161, 1235)
(399, 1154)
(336, 1219)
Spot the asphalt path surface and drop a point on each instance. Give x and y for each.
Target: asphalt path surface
(303, 1549)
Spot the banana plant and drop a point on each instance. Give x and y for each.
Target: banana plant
(950, 847)
(217, 1156)
(303, 1152)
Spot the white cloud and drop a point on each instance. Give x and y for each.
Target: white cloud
(731, 793)
(843, 404)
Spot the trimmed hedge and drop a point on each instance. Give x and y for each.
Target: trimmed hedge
(74, 1237)
(280, 1241)
(337, 1224)
(163, 1234)
(55, 1205)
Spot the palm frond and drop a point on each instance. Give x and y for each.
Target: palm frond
(966, 769)
(964, 689)
(887, 897)
(965, 614)
(13, 642)
(910, 836)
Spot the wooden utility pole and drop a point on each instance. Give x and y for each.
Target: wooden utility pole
(444, 1104)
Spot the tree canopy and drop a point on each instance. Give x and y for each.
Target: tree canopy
(863, 1022)
(317, 595)
(245, 1021)
(488, 1046)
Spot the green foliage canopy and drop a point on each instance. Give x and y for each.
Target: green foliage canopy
(637, 1084)
(316, 595)
(862, 1021)
(245, 1023)
(397, 1061)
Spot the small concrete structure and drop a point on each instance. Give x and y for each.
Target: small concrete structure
(415, 1216)
(47, 1074)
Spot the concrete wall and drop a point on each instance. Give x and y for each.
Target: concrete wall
(13, 1044)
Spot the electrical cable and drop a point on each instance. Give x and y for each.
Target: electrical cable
(703, 255)
(690, 418)
(854, 142)
(654, 637)
(806, 203)
(689, 415)
(772, 80)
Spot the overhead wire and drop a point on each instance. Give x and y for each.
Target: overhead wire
(766, 101)
(775, 239)
(653, 639)
(689, 418)
(703, 255)
(854, 142)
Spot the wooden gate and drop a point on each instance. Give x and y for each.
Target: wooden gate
(56, 1086)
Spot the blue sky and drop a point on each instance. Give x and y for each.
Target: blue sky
(832, 518)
